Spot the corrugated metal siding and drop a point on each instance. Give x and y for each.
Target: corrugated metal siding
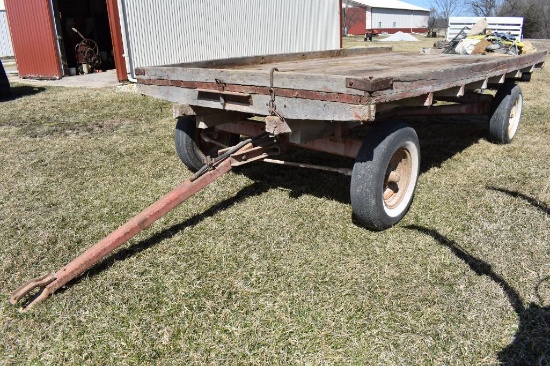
(34, 43)
(6, 48)
(175, 31)
(403, 19)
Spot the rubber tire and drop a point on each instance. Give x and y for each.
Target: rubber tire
(504, 118)
(186, 140)
(370, 172)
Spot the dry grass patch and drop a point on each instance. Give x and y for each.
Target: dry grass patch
(266, 266)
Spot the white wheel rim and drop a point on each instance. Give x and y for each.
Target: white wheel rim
(400, 179)
(515, 116)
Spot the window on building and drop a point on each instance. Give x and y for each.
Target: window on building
(395, 24)
(379, 24)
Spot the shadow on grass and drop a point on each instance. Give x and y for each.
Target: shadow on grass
(532, 201)
(531, 345)
(440, 140)
(20, 91)
(299, 181)
(251, 190)
(266, 177)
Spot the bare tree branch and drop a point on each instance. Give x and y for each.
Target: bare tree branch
(446, 8)
(350, 16)
(535, 13)
(484, 8)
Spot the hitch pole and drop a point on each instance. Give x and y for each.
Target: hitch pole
(49, 283)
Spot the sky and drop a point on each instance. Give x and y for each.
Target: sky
(428, 3)
(422, 3)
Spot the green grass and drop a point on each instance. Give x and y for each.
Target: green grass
(266, 266)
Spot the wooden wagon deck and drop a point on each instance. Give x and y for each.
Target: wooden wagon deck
(339, 85)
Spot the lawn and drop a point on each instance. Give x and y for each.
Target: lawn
(266, 265)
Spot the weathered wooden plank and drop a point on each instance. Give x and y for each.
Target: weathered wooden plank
(283, 80)
(369, 84)
(413, 71)
(291, 108)
(405, 85)
(288, 57)
(316, 89)
(479, 66)
(245, 90)
(460, 76)
(369, 65)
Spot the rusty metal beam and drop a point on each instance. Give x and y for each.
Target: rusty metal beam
(345, 147)
(116, 38)
(345, 171)
(444, 110)
(47, 284)
(338, 145)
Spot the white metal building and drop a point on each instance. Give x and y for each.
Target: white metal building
(6, 48)
(175, 31)
(393, 15)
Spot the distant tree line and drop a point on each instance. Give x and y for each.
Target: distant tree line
(535, 13)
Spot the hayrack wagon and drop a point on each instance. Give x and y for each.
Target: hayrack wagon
(324, 100)
(346, 102)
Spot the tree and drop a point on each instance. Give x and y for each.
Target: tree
(484, 8)
(535, 13)
(435, 22)
(441, 11)
(511, 8)
(350, 16)
(444, 9)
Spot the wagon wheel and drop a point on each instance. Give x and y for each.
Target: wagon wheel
(193, 144)
(506, 113)
(384, 176)
(88, 52)
(91, 46)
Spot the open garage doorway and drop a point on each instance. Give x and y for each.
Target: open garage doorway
(86, 36)
(45, 44)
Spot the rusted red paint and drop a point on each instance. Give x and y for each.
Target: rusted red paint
(443, 110)
(33, 38)
(245, 128)
(50, 283)
(116, 38)
(342, 147)
(404, 30)
(261, 90)
(334, 145)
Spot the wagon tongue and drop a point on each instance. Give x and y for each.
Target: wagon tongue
(38, 289)
(36, 283)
